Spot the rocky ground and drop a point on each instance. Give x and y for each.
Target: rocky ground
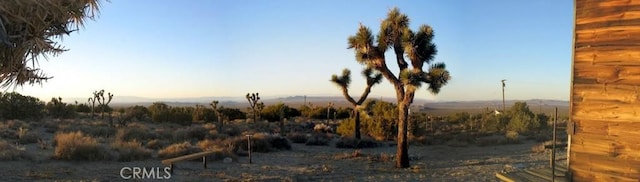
(302, 163)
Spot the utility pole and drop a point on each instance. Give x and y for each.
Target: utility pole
(504, 108)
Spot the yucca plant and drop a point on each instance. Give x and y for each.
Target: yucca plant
(28, 29)
(418, 48)
(343, 82)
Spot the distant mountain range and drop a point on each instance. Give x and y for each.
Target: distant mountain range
(338, 101)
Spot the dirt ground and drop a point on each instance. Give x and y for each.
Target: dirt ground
(302, 163)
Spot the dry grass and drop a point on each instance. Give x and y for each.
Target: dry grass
(297, 137)
(92, 130)
(130, 150)
(349, 142)
(27, 137)
(178, 149)
(155, 144)
(131, 133)
(319, 139)
(9, 152)
(194, 132)
(78, 146)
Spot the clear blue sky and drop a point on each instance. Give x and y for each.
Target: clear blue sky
(197, 48)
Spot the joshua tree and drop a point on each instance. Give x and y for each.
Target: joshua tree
(214, 106)
(260, 107)
(92, 100)
(102, 102)
(253, 99)
(343, 82)
(418, 48)
(27, 30)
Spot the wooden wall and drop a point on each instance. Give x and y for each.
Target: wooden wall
(605, 91)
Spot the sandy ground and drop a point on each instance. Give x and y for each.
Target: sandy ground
(302, 163)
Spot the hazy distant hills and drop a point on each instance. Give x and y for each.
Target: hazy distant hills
(543, 105)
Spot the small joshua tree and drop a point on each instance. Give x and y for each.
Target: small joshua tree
(343, 82)
(92, 101)
(260, 107)
(214, 106)
(102, 101)
(253, 99)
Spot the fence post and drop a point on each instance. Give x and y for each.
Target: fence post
(553, 148)
(249, 147)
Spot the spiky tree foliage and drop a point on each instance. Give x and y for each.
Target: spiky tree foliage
(343, 82)
(418, 48)
(28, 29)
(219, 118)
(253, 99)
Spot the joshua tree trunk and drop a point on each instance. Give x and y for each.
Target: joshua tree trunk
(402, 147)
(357, 127)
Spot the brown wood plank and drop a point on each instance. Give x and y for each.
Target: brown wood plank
(605, 164)
(625, 75)
(621, 147)
(517, 177)
(609, 55)
(583, 172)
(187, 157)
(545, 173)
(598, 15)
(616, 92)
(610, 110)
(582, 4)
(611, 23)
(608, 36)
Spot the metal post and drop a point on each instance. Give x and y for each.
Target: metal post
(249, 147)
(553, 148)
(204, 161)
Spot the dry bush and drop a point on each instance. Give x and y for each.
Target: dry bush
(347, 155)
(259, 143)
(512, 137)
(350, 142)
(26, 137)
(164, 133)
(178, 149)
(209, 144)
(491, 140)
(134, 133)
(15, 124)
(130, 150)
(318, 139)
(382, 157)
(297, 137)
(190, 133)
(9, 152)
(155, 144)
(457, 143)
(91, 130)
(231, 130)
(78, 146)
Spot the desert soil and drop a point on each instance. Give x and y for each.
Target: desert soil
(303, 163)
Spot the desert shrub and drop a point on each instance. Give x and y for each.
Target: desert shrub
(232, 113)
(259, 143)
(78, 146)
(9, 152)
(209, 144)
(181, 115)
(178, 149)
(130, 150)
(58, 109)
(512, 137)
(272, 113)
(26, 137)
(323, 128)
(297, 137)
(231, 130)
(134, 133)
(318, 139)
(195, 132)
(16, 106)
(349, 142)
(136, 113)
(83, 108)
(155, 144)
(279, 142)
(202, 113)
(491, 140)
(94, 131)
